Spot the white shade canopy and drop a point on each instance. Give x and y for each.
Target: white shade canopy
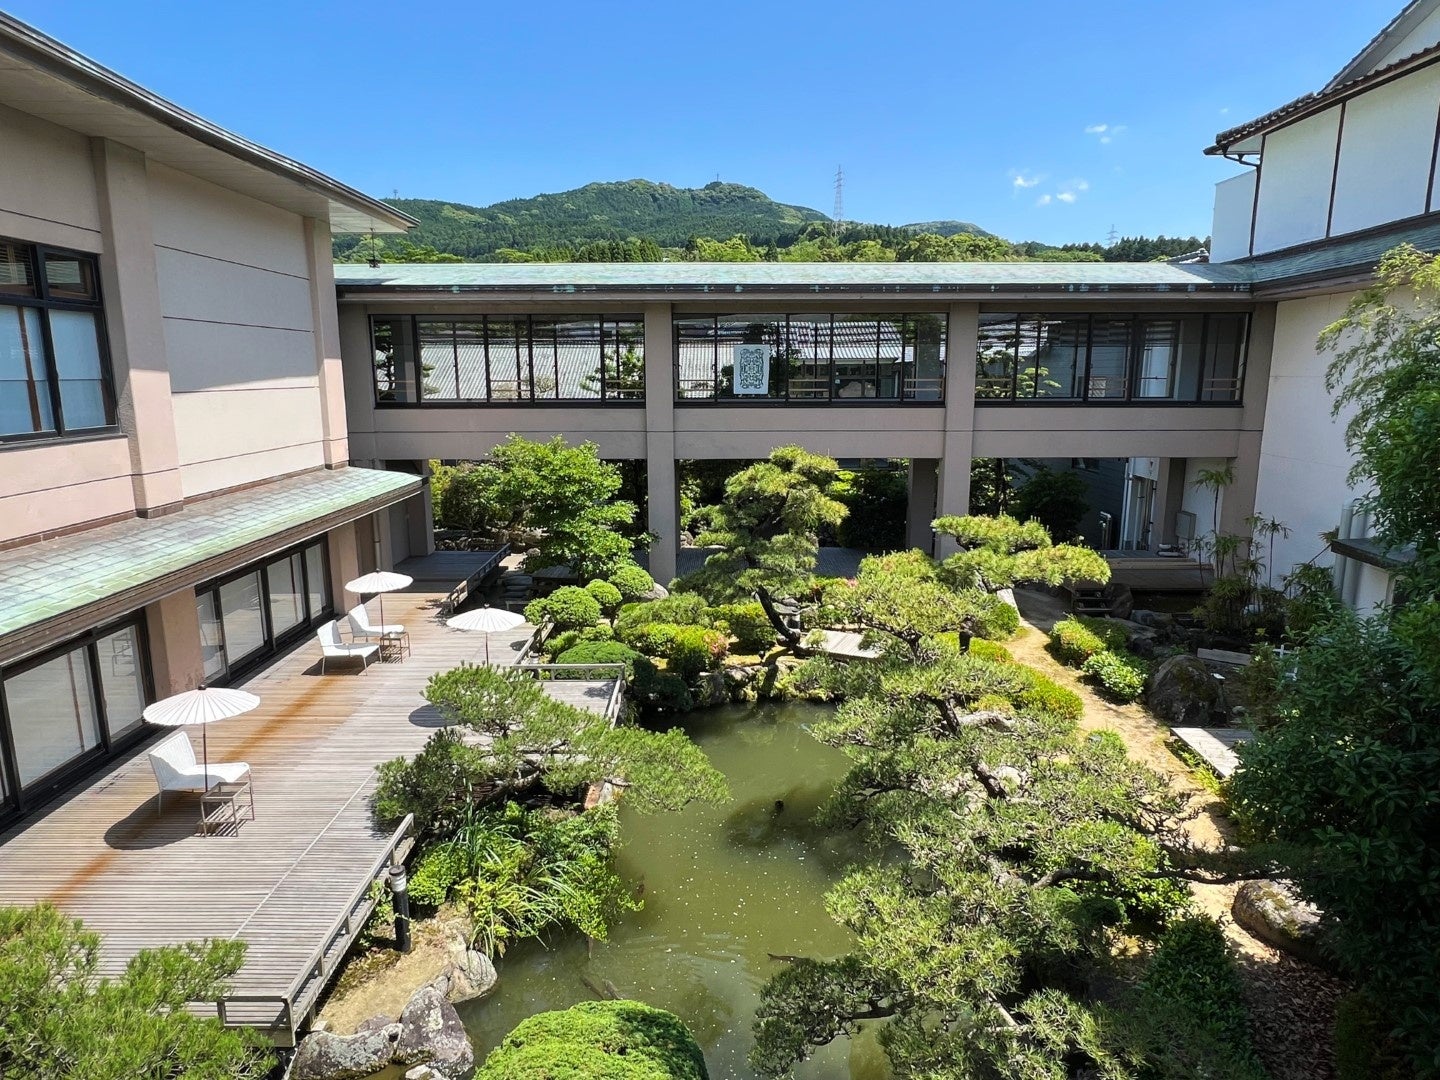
(204, 705)
(382, 581)
(488, 619)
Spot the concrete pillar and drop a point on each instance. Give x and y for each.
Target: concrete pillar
(924, 488)
(325, 332)
(131, 287)
(1237, 499)
(663, 518)
(1169, 496)
(961, 341)
(343, 546)
(173, 628)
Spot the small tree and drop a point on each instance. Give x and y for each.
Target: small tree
(616, 1040)
(766, 527)
(998, 552)
(59, 1018)
(1055, 499)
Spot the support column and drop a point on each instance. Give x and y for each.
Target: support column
(1169, 493)
(343, 547)
(325, 331)
(663, 519)
(1237, 500)
(924, 489)
(961, 341)
(134, 320)
(173, 628)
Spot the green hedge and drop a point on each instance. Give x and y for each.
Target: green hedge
(597, 1040)
(601, 652)
(1119, 673)
(568, 607)
(682, 609)
(694, 649)
(748, 625)
(1076, 638)
(1046, 695)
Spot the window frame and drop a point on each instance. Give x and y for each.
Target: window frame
(45, 302)
(18, 800)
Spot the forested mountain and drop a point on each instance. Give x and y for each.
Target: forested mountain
(642, 221)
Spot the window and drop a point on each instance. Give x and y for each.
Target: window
(508, 359)
(54, 373)
(810, 358)
(1111, 358)
(76, 702)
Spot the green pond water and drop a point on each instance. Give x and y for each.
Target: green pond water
(724, 886)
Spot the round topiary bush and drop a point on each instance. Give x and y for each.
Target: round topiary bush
(600, 652)
(568, 607)
(748, 625)
(614, 1040)
(632, 581)
(682, 609)
(607, 595)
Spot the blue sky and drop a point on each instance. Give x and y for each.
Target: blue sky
(1037, 120)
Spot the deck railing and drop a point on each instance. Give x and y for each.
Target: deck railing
(458, 595)
(291, 1009)
(585, 671)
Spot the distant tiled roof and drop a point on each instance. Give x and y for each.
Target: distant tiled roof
(47, 579)
(718, 279)
(1313, 102)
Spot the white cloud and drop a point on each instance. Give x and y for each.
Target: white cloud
(1020, 179)
(1105, 132)
(1043, 200)
(1066, 196)
(1097, 129)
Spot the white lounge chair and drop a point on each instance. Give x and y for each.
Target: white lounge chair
(332, 648)
(361, 626)
(176, 769)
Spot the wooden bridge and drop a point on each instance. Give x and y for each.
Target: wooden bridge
(295, 884)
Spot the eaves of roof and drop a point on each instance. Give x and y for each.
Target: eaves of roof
(1339, 259)
(1316, 101)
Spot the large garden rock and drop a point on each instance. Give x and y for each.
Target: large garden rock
(323, 1055)
(469, 975)
(431, 1034)
(1183, 693)
(1273, 913)
(711, 688)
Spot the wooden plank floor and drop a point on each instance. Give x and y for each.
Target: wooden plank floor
(144, 879)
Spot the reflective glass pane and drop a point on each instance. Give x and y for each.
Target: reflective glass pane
(17, 275)
(287, 593)
(1109, 358)
(316, 583)
(241, 614)
(859, 342)
(24, 383)
(751, 355)
(807, 354)
(545, 358)
(74, 335)
(995, 355)
(925, 359)
(696, 361)
(122, 680)
(70, 277)
(508, 344)
(212, 638)
(473, 385)
(52, 714)
(1223, 372)
(623, 350)
(439, 373)
(394, 348)
(1058, 352)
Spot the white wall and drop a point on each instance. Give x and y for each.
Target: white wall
(1198, 500)
(1295, 171)
(236, 301)
(1422, 37)
(1230, 226)
(1303, 459)
(47, 184)
(1385, 153)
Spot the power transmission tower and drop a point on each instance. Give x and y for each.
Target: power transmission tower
(839, 199)
(1111, 237)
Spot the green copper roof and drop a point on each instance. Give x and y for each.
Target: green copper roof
(909, 279)
(52, 577)
(1355, 254)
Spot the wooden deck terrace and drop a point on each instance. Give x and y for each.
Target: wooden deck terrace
(295, 884)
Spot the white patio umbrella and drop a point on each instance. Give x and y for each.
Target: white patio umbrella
(488, 620)
(199, 707)
(379, 583)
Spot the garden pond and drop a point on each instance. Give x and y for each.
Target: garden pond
(724, 888)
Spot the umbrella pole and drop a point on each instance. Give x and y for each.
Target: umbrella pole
(205, 752)
(487, 648)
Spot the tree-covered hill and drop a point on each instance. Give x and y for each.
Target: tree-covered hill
(669, 216)
(948, 227)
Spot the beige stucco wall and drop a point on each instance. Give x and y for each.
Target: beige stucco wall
(236, 302)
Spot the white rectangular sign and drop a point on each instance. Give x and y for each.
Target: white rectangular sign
(751, 364)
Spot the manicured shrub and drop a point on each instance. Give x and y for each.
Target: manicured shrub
(682, 609)
(1190, 1004)
(659, 690)
(1046, 695)
(568, 639)
(632, 581)
(1120, 674)
(747, 624)
(1075, 638)
(601, 652)
(606, 595)
(694, 649)
(996, 619)
(990, 650)
(568, 607)
(652, 639)
(606, 1040)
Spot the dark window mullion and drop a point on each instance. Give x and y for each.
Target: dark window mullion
(830, 366)
(1199, 394)
(52, 368)
(1089, 345)
(97, 697)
